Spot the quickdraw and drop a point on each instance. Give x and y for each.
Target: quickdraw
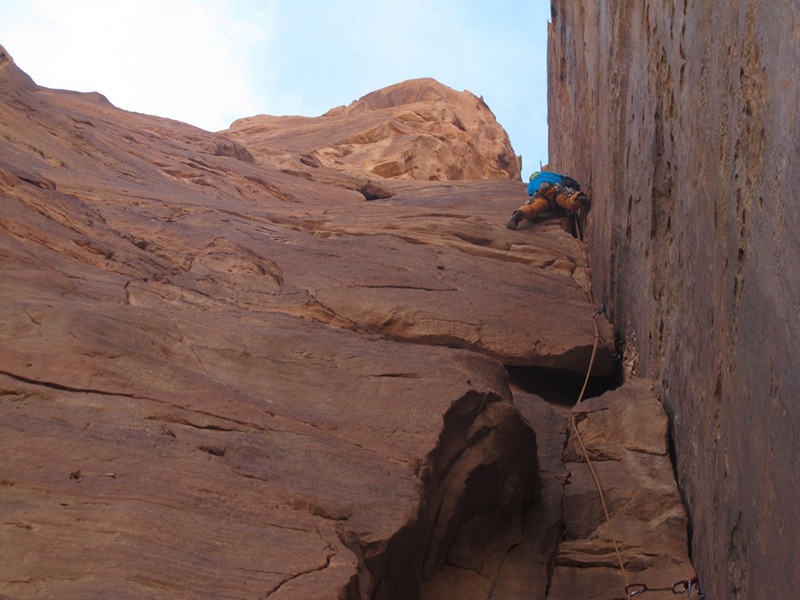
(679, 587)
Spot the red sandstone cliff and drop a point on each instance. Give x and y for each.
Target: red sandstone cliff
(226, 374)
(223, 378)
(682, 120)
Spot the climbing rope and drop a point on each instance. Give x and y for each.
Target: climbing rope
(631, 589)
(597, 339)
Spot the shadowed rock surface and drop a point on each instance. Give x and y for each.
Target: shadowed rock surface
(681, 121)
(625, 432)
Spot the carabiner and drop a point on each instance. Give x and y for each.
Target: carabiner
(679, 587)
(634, 589)
(682, 587)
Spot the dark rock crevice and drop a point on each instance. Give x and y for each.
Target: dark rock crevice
(559, 386)
(474, 487)
(65, 388)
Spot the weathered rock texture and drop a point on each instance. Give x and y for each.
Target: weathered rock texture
(225, 379)
(419, 129)
(625, 435)
(682, 120)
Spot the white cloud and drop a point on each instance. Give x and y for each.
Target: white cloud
(185, 59)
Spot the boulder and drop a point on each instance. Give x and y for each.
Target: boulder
(375, 191)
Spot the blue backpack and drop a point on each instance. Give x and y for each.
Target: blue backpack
(537, 179)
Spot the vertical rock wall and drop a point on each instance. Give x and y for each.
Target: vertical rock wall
(681, 119)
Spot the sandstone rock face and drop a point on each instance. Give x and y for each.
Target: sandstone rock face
(567, 546)
(625, 434)
(681, 119)
(418, 129)
(224, 378)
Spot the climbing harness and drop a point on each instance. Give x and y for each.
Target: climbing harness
(679, 587)
(631, 589)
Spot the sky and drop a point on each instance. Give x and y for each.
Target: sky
(209, 62)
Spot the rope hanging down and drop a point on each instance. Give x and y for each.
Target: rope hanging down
(597, 339)
(631, 589)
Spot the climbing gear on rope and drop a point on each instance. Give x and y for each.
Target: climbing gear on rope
(578, 232)
(679, 587)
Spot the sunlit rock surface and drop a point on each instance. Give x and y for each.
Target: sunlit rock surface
(418, 129)
(225, 378)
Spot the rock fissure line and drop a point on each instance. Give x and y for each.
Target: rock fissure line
(187, 423)
(194, 353)
(405, 287)
(301, 574)
(67, 388)
(357, 326)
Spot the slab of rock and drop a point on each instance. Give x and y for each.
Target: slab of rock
(433, 264)
(250, 455)
(222, 378)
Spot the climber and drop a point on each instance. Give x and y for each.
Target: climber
(549, 191)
